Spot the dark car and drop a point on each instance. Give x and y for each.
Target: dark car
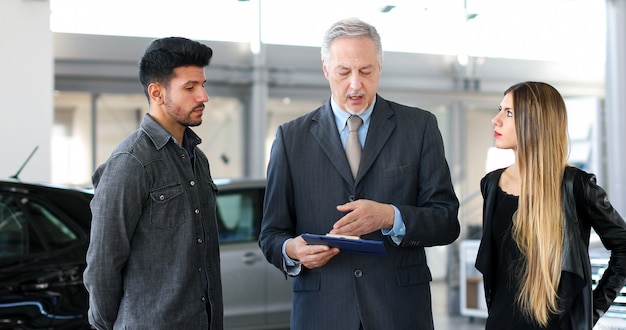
(44, 235)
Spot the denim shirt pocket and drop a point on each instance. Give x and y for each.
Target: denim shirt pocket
(167, 207)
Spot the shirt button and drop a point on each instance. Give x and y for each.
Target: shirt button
(199, 240)
(183, 156)
(203, 299)
(196, 211)
(358, 273)
(162, 197)
(192, 183)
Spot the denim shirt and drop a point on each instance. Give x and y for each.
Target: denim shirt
(153, 261)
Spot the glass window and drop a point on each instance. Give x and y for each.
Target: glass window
(238, 216)
(13, 228)
(56, 232)
(28, 227)
(118, 115)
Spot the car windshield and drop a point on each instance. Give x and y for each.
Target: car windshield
(28, 227)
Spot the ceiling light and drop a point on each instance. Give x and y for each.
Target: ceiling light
(387, 8)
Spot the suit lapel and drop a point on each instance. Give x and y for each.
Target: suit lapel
(381, 127)
(325, 132)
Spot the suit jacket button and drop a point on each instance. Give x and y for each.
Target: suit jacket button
(351, 198)
(358, 273)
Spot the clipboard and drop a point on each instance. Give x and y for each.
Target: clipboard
(351, 244)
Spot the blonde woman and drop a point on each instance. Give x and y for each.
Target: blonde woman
(537, 217)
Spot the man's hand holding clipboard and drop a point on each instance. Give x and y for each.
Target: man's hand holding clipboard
(351, 244)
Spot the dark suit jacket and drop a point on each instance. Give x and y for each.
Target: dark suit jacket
(586, 206)
(403, 164)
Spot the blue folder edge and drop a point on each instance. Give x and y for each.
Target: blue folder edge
(360, 246)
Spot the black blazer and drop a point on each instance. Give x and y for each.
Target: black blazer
(403, 163)
(586, 206)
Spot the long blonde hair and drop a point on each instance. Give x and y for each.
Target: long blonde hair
(542, 146)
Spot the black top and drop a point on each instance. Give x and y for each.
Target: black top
(504, 312)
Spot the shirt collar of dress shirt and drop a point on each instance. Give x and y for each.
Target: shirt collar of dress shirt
(341, 117)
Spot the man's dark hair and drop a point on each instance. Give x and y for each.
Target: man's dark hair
(164, 55)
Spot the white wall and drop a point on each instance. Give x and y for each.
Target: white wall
(26, 87)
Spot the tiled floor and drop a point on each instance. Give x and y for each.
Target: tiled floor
(445, 321)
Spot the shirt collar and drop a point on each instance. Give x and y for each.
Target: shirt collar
(341, 117)
(160, 136)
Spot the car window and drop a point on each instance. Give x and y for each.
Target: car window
(236, 214)
(56, 232)
(28, 227)
(13, 228)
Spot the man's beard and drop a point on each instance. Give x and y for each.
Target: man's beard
(181, 116)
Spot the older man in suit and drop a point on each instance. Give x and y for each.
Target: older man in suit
(400, 193)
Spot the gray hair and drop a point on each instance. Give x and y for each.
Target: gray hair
(351, 27)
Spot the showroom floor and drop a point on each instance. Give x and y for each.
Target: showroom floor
(442, 318)
(444, 321)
